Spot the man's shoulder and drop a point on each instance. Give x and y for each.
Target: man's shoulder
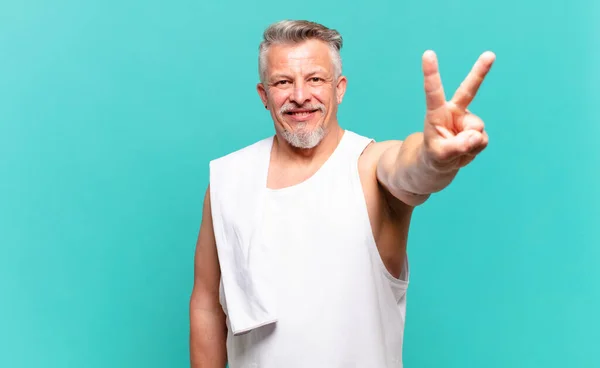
(238, 173)
(373, 151)
(243, 154)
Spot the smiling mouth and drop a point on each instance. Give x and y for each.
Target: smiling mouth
(301, 113)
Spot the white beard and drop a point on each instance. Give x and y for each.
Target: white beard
(304, 139)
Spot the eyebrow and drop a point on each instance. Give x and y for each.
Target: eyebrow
(311, 73)
(278, 76)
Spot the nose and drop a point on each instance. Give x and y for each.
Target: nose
(300, 94)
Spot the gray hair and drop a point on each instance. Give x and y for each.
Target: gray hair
(296, 31)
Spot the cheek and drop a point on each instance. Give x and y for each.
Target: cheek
(324, 95)
(279, 98)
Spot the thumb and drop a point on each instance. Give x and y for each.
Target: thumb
(463, 143)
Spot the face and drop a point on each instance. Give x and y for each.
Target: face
(301, 91)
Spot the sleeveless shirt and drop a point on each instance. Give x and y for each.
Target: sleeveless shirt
(337, 305)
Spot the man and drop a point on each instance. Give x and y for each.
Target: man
(325, 284)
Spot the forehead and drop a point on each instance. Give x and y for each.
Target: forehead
(313, 54)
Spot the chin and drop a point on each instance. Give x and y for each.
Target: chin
(303, 138)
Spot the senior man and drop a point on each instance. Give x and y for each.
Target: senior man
(301, 257)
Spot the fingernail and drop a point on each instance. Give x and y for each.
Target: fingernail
(473, 140)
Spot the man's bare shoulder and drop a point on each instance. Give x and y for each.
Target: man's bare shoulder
(368, 171)
(373, 152)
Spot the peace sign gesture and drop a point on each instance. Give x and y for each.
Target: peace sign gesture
(453, 136)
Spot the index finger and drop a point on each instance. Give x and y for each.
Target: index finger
(469, 87)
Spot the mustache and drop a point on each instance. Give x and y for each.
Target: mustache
(289, 107)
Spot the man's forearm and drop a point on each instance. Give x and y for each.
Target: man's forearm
(207, 338)
(407, 172)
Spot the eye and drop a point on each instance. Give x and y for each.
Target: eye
(281, 82)
(315, 79)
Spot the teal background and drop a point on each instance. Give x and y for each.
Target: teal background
(111, 110)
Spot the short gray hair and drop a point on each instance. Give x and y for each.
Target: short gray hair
(297, 31)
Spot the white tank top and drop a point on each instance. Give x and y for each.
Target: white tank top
(337, 305)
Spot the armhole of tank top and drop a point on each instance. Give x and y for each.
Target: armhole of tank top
(397, 282)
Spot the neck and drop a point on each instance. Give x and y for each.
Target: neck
(285, 151)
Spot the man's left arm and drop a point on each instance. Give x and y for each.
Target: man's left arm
(427, 162)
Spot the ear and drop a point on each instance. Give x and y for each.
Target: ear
(262, 93)
(340, 89)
